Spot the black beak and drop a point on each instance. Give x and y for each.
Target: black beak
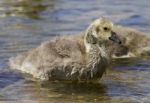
(114, 37)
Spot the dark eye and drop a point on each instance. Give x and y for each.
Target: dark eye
(106, 29)
(97, 29)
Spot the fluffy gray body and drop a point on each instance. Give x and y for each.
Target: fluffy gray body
(62, 59)
(70, 58)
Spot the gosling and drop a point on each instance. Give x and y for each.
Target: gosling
(71, 59)
(134, 43)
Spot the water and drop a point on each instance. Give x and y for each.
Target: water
(24, 24)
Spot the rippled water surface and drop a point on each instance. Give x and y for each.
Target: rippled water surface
(24, 24)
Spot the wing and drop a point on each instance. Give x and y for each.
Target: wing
(69, 48)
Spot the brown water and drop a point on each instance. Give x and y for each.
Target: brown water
(26, 23)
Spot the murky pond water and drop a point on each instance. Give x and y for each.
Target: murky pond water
(24, 24)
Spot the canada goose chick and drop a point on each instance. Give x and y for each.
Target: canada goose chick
(135, 43)
(68, 58)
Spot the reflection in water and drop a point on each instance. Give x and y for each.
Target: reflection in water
(36, 91)
(109, 91)
(25, 8)
(75, 88)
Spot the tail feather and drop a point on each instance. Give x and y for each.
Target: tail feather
(16, 62)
